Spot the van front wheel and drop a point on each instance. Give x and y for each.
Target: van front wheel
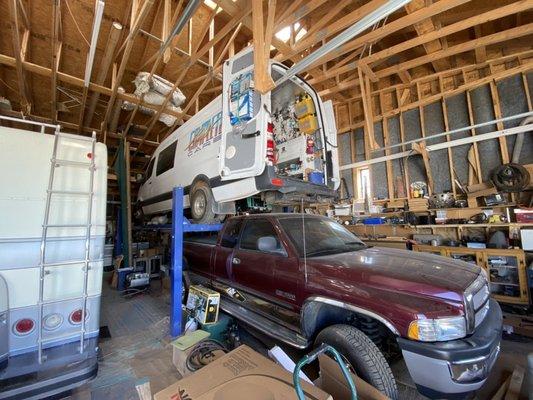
(202, 201)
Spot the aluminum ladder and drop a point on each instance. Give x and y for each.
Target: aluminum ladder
(43, 265)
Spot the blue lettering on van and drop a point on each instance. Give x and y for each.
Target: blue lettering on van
(204, 135)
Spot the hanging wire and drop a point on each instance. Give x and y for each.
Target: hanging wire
(76, 23)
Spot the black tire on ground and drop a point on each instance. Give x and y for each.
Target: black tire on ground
(201, 200)
(363, 355)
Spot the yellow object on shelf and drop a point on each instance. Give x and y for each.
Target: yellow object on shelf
(304, 107)
(308, 124)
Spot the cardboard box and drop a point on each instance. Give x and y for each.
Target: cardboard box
(241, 374)
(332, 381)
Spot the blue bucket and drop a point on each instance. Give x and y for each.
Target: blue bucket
(316, 177)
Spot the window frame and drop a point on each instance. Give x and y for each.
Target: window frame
(150, 169)
(284, 254)
(174, 144)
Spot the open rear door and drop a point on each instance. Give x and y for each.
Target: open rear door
(243, 146)
(331, 137)
(4, 323)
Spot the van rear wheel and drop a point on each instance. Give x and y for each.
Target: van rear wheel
(202, 201)
(362, 355)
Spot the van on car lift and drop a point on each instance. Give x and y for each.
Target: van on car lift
(281, 144)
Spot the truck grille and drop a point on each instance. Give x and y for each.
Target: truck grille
(477, 301)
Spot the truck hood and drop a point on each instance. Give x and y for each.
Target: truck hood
(398, 270)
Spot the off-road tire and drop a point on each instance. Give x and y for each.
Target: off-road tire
(363, 355)
(201, 191)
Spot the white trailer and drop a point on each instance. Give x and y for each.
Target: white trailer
(52, 231)
(244, 143)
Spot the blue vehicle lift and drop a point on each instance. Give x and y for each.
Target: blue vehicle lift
(180, 225)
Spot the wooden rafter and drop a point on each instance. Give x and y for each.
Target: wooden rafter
(17, 50)
(426, 26)
(262, 79)
(137, 20)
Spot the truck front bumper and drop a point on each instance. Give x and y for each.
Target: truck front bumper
(451, 370)
(291, 187)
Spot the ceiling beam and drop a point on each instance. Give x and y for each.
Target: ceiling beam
(17, 51)
(105, 64)
(499, 37)
(78, 82)
(390, 28)
(137, 21)
(426, 26)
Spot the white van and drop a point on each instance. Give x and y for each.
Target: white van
(48, 343)
(281, 144)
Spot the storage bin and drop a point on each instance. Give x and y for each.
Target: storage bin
(308, 124)
(304, 107)
(316, 177)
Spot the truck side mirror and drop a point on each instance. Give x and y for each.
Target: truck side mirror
(268, 244)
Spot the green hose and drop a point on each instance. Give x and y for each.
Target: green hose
(309, 358)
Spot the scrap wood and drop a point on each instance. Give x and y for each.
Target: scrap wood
(143, 389)
(501, 391)
(515, 384)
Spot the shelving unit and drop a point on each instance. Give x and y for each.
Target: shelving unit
(506, 269)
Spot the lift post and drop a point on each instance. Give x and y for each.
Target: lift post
(180, 225)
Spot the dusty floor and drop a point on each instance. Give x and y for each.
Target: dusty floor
(139, 350)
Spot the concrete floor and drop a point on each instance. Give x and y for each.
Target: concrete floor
(139, 350)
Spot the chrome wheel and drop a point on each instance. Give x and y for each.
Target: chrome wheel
(199, 204)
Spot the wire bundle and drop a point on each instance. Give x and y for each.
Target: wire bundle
(204, 353)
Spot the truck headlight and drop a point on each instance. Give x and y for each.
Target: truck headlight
(437, 330)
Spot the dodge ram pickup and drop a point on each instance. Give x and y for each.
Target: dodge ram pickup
(306, 280)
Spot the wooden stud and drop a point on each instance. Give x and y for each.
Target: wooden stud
(262, 79)
(21, 78)
(498, 114)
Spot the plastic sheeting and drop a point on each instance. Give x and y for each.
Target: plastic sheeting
(156, 85)
(154, 91)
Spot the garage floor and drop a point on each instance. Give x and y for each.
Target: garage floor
(139, 350)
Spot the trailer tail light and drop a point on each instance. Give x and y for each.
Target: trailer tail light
(277, 181)
(271, 147)
(75, 316)
(52, 321)
(23, 326)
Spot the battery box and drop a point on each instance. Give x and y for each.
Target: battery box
(203, 303)
(304, 107)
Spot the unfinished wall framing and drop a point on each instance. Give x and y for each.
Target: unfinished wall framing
(439, 103)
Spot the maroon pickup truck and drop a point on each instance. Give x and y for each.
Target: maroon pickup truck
(306, 280)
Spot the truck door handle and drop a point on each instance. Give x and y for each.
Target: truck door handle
(250, 135)
(236, 260)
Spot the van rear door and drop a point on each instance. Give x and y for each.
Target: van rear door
(243, 144)
(4, 323)
(330, 133)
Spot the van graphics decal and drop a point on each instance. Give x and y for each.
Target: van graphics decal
(206, 134)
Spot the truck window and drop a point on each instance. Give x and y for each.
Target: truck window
(259, 235)
(231, 233)
(150, 169)
(165, 160)
(319, 236)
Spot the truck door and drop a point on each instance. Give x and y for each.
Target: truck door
(258, 257)
(330, 137)
(243, 145)
(4, 324)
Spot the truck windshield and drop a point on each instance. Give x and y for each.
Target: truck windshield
(319, 236)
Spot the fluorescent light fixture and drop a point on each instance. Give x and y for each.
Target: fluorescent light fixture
(94, 40)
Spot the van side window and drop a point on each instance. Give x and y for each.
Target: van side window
(150, 169)
(165, 160)
(231, 233)
(259, 235)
